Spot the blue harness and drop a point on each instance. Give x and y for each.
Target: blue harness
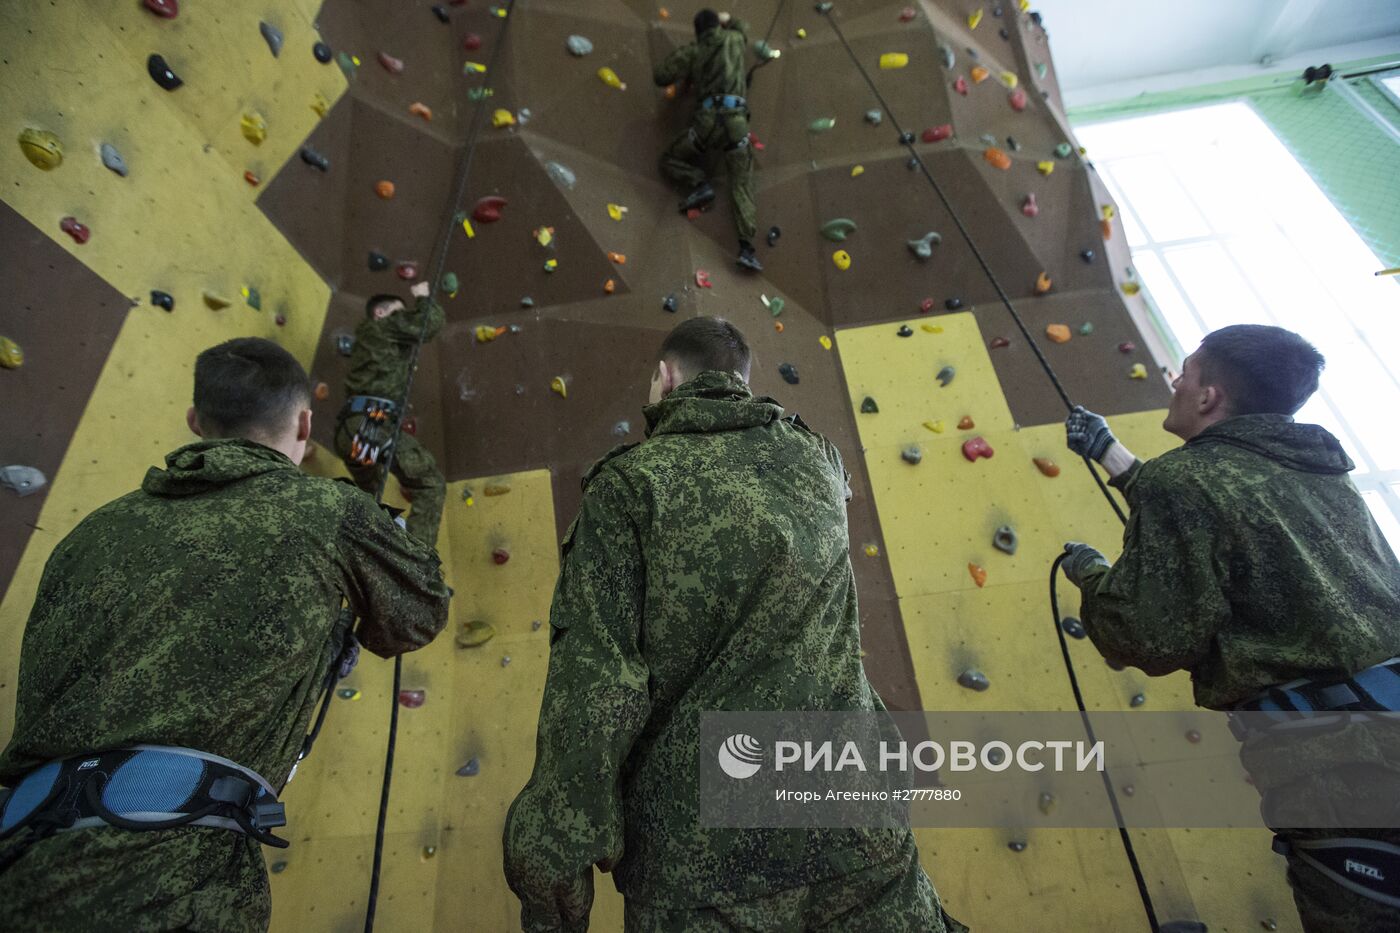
(723, 102)
(1374, 690)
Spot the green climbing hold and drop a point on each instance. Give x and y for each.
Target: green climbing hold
(775, 306)
(838, 229)
(821, 124)
(1063, 150)
(347, 63)
(868, 406)
(923, 246)
(1040, 70)
(1086, 328)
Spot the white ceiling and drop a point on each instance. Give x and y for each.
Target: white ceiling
(1099, 43)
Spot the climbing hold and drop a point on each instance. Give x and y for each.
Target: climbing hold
(488, 209)
(976, 447)
(473, 68)
(1138, 699)
(557, 386)
(22, 480)
(1130, 288)
(874, 117)
(1012, 144)
(972, 678)
(1059, 333)
(440, 12)
(272, 36)
(801, 33)
(1046, 466)
(348, 63)
(1268, 923)
(1086, 328)
(486, 333)
(953, 304)
(113, 159)
(838, 229)
(471, 42)
(1045, 168)
(912, 455)
(1193, 736)
(945, 375)
(1073, 627)
(931, 328)
(868, 406)
(161, 73)
(11, 356)
(163, 300)
(825, 341)
(78, 231)
(937, 133)
(998, 343)
(974, 18)
(775, 304)
(907, 14)
(500, 556)
(702, 278)
(254, 127)
(979, 74)
(215, 301)
(385, 189)
(892, 60)
(669, 303)
(319, 104)
(997, 158)
(923, 246)
(1017, 99)
(609, 286)
(1005, 540)
(610, 78)
(407, 270)
(1046, 802)
(935, 426)
(988, 139)
(1016, 845)
(1063, 151)
(578, 45)
(314, 159)
(945, 53)
(789, 373)
(960, 85)
(965, 423)
(348, 693)
(41, 148)
(1009, 79)
(926, 306)
(1029, 207)
(449, 283)
(412, 699)
(821, 124)
(1138, 371)
(1087, 255)
(420, 109)
(1042, 283)
(1106, 229)
(378, 262)
(391, 64)
(251, 297)
(842, 259)
(1129, 790)
(165, 9)
(905, 331)
(617, 258)
(502, 117)
(561, 174)
(321, 392)
(1127, 346)
(470, 769)
(322, 52)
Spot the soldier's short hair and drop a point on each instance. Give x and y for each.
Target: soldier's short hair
(248, 385)
(705, 20)
(702, 343)
(377, 300)
(1263, 369)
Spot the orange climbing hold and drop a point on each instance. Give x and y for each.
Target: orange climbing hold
(1059, 333)
(1046, 466)
(1042, 283)
(385, 189)
(979, 574)
(997, 158)
(420, 109)
(1106, 228)
(322, 392)
(618, 258)
(778, 326)
(609, 286)
(252, 179)
(979, 74)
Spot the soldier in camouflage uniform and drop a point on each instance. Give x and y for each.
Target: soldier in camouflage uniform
(714, 66)
(1250, 560)
(708, 569)
(203, 611)
(379, 367)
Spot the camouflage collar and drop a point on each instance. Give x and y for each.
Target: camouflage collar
(712, 401)
(209, 464)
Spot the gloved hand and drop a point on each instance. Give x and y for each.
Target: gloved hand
(1082, 558)
(724, 18)
(1087, 434)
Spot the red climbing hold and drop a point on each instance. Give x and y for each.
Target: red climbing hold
(410, 425)
(79, 232)
(408, 271)
(938, 133)
(906, 15)
(165, 9)
(280, 320)
(976, 447)
(753, 141)
(471, 42)
(960, 86)
(500, 555)
(926, 305)
(1029, 207)
(488, 209)
(1127, 346)
(252, 179)
(1018, 100)
(702, 278)
(412, 699)
(391, 64)
(999, 342)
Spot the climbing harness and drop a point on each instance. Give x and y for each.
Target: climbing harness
(1367, 867)
(377, 431)
(1373, 690)
(724, 102)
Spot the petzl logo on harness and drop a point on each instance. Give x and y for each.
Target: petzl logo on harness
(1366, 871)
(90, 763)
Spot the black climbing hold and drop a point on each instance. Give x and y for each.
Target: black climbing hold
(953, 304)
(471, 769)
(669, 304)
(1035, 17)
(1129, 790)
(162, 74)
(1012, 144)
(823, 7)
(996, 11)
(905, 331)
(1073, 627)
(1016, 845)
(995, 756)
(906, 138)
(344, 344)
(272, 36)
(315, 159)
(322, 52)
(163, 300)
(1003, 33)
(912, 455)
(912, 164)
(868, 406)
(789, 373)
(974, 680)
(378, 262)
(440, 12)
(1046, 802)
(278, 867)
(1087, 255)
(773, 234)
(1137, 699)
(527, 302)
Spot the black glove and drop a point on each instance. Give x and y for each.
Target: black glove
(1087, 434)
(1082, 558)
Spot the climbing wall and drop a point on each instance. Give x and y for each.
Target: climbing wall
(272, 192)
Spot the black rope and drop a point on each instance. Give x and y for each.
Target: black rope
(437, 264)
(768, 50)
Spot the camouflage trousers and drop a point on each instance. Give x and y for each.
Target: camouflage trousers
(896, 897)
(723, 133)
(418, 476)
(106, 879)
(1326, 907)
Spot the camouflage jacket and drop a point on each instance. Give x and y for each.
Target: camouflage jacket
(713, 63)
(1249, 560)
(203, 610)
(379, 362)
(708, 569)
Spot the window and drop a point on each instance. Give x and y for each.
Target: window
(1226, 227)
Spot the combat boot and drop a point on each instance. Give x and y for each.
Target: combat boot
(746, 258)
(700, 198)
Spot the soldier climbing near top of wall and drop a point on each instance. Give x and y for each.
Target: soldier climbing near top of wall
(180, 639)
(374, 389)
(714, 66)
(1250, 560)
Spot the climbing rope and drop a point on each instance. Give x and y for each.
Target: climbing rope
(908, 142)
(768, 56)
(439, 262)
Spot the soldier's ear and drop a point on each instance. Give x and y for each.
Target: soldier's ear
(1212, 400)
(304, 425)
(192, 419)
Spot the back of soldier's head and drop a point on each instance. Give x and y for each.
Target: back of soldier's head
(705, 20)
(1263, 369)
(248, 387)
(702, 343)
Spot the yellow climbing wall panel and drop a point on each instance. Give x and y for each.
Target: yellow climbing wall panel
(479, 705)
(939, 516)
(183, 220)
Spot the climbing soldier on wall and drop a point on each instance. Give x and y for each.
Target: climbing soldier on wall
(708, 569)
(178, 644)
(374, 389)
(1250, 560)
(714, 66)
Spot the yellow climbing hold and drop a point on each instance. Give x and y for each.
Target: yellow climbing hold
(11, 356)
(473, 68)
(610, 78)
(254, 127)
(615, 211)
(543, 235)
(557, 385)
(41, 148)
(974, 18)
(474, 633)
(502, 117)
(1107, 211)
(857, 170)
(486, 333)
(1009, 78)
(935, 426)
(320, 104)
(872, 551)
(892, 60)
(467, 228)
(842, 259)
(1138, 371)
(551, 264)
(1130, 288)
(801, 33)
(1045, 168)
(1025, 5)
(825, 341)
(931, 328)
(215, 301)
